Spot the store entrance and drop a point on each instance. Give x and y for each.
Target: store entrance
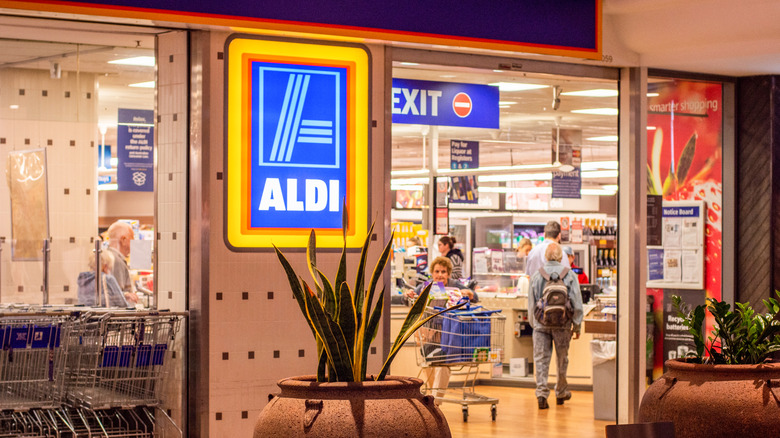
(486, 158)
(77, 141)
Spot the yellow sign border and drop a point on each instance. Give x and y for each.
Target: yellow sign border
(237, 48)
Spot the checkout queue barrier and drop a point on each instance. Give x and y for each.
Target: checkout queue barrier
(87, 372)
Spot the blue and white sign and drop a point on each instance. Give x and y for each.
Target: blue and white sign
(680, 212)
(464, 154)
(298, 137)
(135, 150)
(567, 184)
(655, 264)
(445, 104)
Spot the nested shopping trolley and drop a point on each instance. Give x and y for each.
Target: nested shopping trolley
(31, 360)
(459, 341)
(115, 366)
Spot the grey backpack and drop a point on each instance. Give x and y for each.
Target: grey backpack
(554, 308)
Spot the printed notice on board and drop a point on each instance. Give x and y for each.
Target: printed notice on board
(690, 231)
(672, 232)
(692, 266)
(672, 265)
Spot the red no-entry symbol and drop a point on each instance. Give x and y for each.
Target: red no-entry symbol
(461, 104)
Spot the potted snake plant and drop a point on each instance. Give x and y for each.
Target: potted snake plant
(729, 385)
(342, 398)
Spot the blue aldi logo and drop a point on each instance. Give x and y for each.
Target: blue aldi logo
(298, 133)
(297, 142)
(301, 115)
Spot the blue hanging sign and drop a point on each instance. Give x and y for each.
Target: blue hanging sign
(445, 104)
(135, 150)
(566, 184)
(464, 154)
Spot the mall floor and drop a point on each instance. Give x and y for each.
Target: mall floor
(519, 416)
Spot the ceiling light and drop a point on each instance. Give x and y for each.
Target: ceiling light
(532, 190)
(599, 92)
(653, 94)
(594, 165)
(651, 128)
(611, 187)
(604, 138)
(598, 111)
(516, 86)
(506, 102)
(409, 181)
(409, 63)
(149, 84)
(600, 174)
(107, 187)
(146, 61)
(14, 106)
(597, 192)
(544, 176)
(498, 71)
(505, 106)
(447, 76)
(408, 172)
(411, 188)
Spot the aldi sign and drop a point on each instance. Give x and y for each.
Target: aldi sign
(297, 142)
(445, 104)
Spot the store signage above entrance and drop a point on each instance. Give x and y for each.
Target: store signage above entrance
(296, 142)
(554, 27)
(444, 104)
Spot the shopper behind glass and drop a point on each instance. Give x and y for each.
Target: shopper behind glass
(441, 271)
(535, 260)
(524, 247)
(582, 277)
(447, 249)
(120, 234)
(109, 293)
(545, 337)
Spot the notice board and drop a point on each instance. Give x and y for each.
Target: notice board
(678, 263)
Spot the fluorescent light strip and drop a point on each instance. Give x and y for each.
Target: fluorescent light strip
(149, 84)
(145, 61)
(545, 176)
(542, 190)
(517, 86)
(409, 187)
(587, 165)
(107, 187)
(599, 92)
(604, 138)
(598, 111)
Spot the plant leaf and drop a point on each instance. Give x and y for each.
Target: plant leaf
(295, 286)
(369, 334)
(333, 339)
(329, 295)
(311, 260)
(347, 319)
(686, 158)
(360, 287)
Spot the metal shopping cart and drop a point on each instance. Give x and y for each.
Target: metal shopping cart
(115, 367)
(459, 341)
(80, 372)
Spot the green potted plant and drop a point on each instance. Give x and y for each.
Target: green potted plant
(729, 385)
(342, 398)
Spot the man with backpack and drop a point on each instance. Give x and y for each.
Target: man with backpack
(555, 310)
(535, 259)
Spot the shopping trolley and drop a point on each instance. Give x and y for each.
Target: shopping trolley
(459, 341)
(31, 360)
(116, 364)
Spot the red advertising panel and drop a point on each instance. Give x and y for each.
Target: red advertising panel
(684, 163)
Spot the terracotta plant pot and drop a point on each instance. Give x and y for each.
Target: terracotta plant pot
(393, 407)
(715, 400)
